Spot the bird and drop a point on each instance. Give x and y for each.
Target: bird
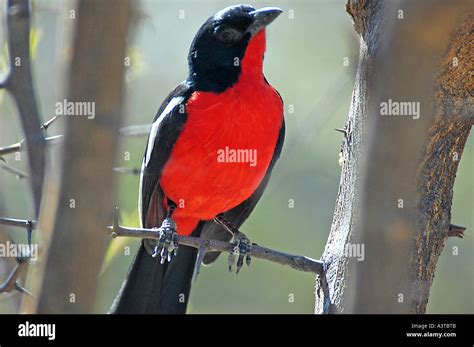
(209, 156)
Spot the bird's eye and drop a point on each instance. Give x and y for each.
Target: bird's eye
(228, 35)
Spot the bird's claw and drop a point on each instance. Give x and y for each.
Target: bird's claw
(240, 251)
(167, 245)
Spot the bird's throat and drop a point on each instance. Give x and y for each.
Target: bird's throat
(252, 62)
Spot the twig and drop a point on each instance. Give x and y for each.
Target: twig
(19, 83)
(133, 130)
(456, 231)
(18, 173)
(19, 223)
(46, 124)
(128, 170)
(11, 283)
(136, 130)
(18, 147)
(297, 262)
(4, 82)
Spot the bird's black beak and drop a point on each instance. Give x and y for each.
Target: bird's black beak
(262, 17)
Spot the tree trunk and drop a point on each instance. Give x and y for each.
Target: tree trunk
(78, 208)
(392, 213)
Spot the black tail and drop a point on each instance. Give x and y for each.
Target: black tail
(151, 287)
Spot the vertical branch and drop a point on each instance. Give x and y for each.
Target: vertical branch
(19, 83)
(73, 219)
(385, 208)
(331, 286)
(446, 140)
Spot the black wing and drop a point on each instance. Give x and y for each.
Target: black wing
(240, 213)
(166, 127)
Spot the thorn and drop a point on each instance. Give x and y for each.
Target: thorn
(29, 232)
(52, 139)
(19, 174)
(46, 124)
(116, 225)
(22, 290)
(248, 260)
(163, 255)
(128, 170)
(201, 253)
(456, 230)
(341, 130)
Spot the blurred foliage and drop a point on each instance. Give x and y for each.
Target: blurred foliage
(118, 245)
(134, 63)
(36, 35)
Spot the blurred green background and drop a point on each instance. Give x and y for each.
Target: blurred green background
(304, 62)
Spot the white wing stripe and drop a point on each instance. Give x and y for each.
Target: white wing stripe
(156, 124)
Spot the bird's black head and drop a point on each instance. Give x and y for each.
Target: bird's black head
(229, 42)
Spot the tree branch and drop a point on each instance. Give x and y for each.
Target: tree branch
(11, 282)
(4, 82)
(456, 231)
(19, 174)
(19, 83)
(19, 223)
(297, 262)
(134, 171)
(88, 156)
(136, 130)
(132, 130)
(19, 146)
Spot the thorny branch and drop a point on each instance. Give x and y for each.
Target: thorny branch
(11, 282)
(136, 130)
(133, 130)
(19, 83)
(12, 170)
(297, 262)
(19, 223)
(19, 146)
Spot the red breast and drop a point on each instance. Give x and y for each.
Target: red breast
(226, 145)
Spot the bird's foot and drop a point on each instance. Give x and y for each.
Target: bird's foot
(240, 251)
(167, 245)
